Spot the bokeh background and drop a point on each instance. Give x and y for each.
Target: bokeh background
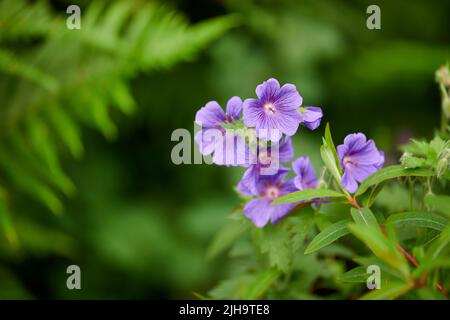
(138, 225)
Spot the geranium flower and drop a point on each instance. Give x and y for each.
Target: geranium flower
(275, 111)
(306, 175)
(226, 147)
(264, 161)
(268, 188)
(359, 159)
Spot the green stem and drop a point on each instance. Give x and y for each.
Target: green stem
(444, 97)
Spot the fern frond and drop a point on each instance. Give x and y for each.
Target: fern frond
(63, 80)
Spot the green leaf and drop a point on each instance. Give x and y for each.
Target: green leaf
(232, 288)
(364, 216)
(383, 247)
(391, 172)
(389, 292)
(6, 222)
(409, 161)
(308, 194)
(356, 275)
(330, 143)
(225, 238)
(200, 296)
(427, 266)
(439, 203)
(418, 219)
(386, 270)
(261, 284)
(328, 159)
(328, 236)
(275, 241)
(439, 247)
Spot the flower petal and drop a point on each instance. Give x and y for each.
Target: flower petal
(287, 187)
(252, 112)
(288, 98)
(342, 150)
(264, 180)
(234, 107)
(247, 184)
(349, 183)
(286, 150)
(288, 121)
(279, 211)
(355, 141)
(210, 116)
(230, 150)
(258, 211)
(312, 117)
(267, 89)
(269, 134)
(360, 172)
(306, 175)
(206, 145)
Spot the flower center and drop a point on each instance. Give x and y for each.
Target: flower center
(346, 160)
(270, 108)
(272, 192)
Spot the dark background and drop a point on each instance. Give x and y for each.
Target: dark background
(139, 225)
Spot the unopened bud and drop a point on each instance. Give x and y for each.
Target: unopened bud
(443, 75)
(446, 107)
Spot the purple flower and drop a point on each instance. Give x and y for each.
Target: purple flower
(359, 159)
(306, 175)
(226, 147)
(311, 116)
(264, 161)
(268, 188)
(275, 111)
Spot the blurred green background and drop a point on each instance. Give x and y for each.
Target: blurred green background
(86, 118)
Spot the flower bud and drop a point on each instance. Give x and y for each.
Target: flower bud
(443, 75)
(446, 107)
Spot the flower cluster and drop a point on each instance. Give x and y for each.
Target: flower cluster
(272, 118)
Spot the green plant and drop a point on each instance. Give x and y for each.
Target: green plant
(56, 82)
(406, 237)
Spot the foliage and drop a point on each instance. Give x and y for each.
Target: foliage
(411, 247)
(55, 83)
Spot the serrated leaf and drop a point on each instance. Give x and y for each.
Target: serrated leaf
(261, 284)
(364, 216)
(410, 161)
(308, 194)
(391, 172)
(418, 219)
(275, 241)
(328, 236)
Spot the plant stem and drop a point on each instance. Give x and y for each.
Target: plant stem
(444, 97)
(353, 202)
(405, 253)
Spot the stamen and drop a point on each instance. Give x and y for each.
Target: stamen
(272, 193)
(270, 108)
(346, 160)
